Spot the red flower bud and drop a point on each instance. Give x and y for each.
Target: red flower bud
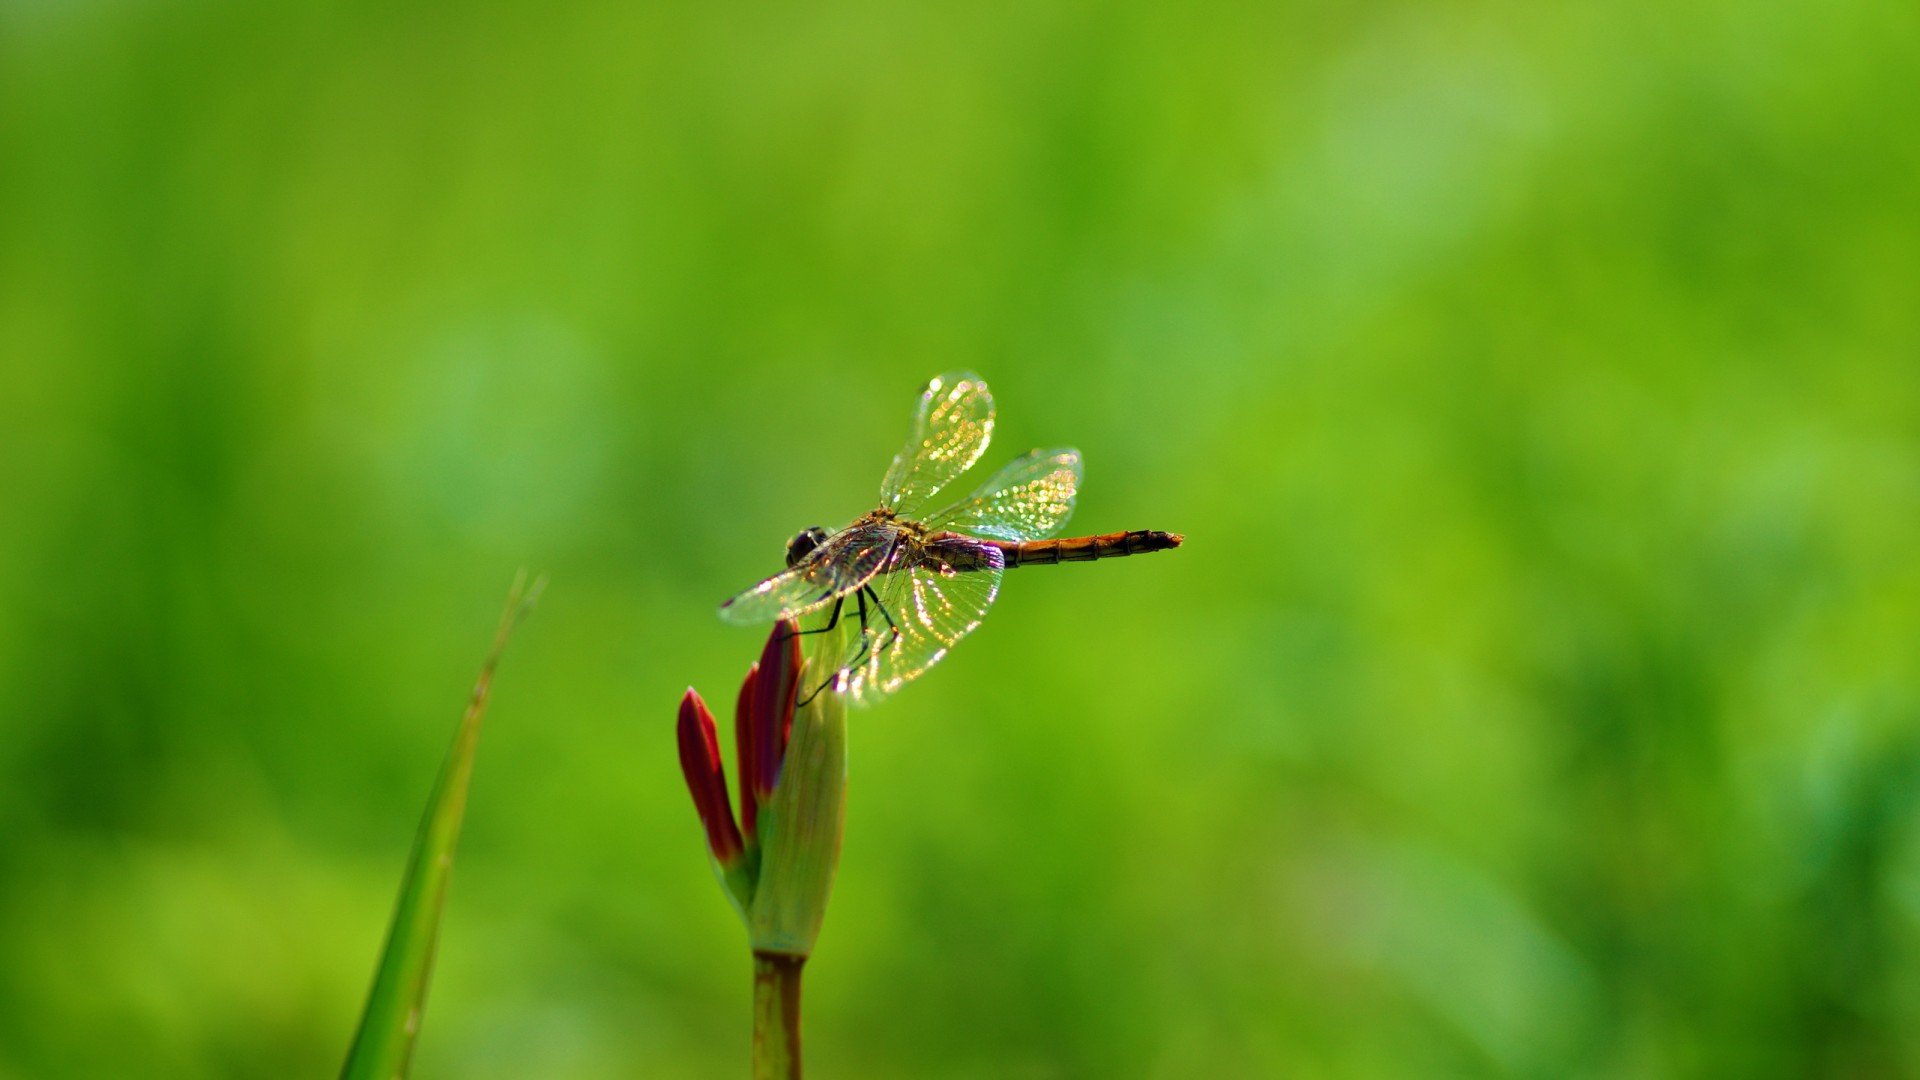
(779, 871)
(743, 740)
(766, 717)
(700, 763)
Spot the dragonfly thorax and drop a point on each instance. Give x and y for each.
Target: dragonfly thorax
(804, 542)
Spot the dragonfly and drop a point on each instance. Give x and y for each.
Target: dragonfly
(918, 582)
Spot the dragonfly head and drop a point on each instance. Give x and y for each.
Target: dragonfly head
(804, 542)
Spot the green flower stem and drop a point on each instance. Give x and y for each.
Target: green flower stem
(776, 1016)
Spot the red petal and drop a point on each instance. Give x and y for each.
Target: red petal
(774, 692)
(744, 742)
(706, 780)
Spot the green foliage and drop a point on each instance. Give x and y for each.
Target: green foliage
(1535, 693)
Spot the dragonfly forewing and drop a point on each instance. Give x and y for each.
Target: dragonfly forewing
(848, 560)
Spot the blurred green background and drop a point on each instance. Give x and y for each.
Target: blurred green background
(1536, 386)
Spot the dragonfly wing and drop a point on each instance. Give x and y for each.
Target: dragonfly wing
(951, 427)
(847, 560)
(1030, 499)
(927, 609)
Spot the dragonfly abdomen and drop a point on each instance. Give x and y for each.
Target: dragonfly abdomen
(1084, 548)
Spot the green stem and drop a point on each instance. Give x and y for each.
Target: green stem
(776, 1016)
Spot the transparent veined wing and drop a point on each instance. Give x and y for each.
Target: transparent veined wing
(847, 560)
(1030, 499)
(952, 425)
(926, 609)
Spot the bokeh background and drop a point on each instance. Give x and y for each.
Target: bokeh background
(1536, 385)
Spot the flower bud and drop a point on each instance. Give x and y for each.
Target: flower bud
(700, 763)
(707, 783)
(776, 684)
(779, 870)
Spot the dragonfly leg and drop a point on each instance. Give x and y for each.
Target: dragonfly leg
(884, 613)
(867, 635)
(831, 679)
(833, 620)
(866, 632)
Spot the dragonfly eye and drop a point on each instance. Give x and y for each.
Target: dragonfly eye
(804, 542)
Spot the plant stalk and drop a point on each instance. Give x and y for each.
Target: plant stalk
(776, 1016)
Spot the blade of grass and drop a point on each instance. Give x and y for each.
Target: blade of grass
(383, 1045)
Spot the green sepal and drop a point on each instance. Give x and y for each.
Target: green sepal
(737, 880)
(800, 832)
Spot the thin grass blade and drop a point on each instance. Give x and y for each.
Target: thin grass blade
(383, 1045)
